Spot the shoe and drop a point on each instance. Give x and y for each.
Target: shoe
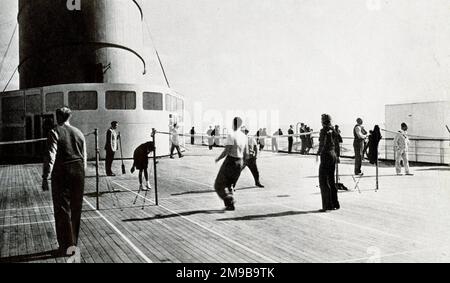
(399, 174)
(172, 157)
(132, 170)
(259, 185)
(409, 174)
(148, 187)
(141, 187)
(111, 175)
(230, 207)
(337, 207)
(181, 156)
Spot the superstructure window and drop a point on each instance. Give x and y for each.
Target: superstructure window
(33, 103)
(83, 100)
(13, 109)
(152, 101)
(54, 101)
(171, 103)
(180, 104)
(121, 100)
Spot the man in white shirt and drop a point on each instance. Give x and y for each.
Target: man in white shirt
(275, 141)
(175, 140)
(360, 136)
(236, 150)
(401, 146)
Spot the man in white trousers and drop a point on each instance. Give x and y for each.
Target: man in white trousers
(401, 146)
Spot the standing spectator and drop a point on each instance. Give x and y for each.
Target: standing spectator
(275, 141)
(66, 162)
(217, 135)
(258, 135)
(290, 138)
(210, 134)
(374, 140)
(401, 147)
(262, 140)
(340, 141)
(175, 139)
(303, 138)
(360, 136)
(192, 135)
(327, 143)
(251, 160)
(310, 139)
(111, 147)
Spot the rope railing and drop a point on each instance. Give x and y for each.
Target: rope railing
(255, 136)
(97, 156)
(36, 140)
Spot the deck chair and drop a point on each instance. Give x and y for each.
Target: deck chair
(357, 179)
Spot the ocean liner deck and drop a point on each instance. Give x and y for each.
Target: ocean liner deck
(405, 221)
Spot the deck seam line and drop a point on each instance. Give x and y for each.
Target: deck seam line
(129, 242)
(362, 227)
(40, 222)
(203, 227)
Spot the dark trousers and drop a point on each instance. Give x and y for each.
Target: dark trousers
(177, 147)
(358, 146)
(291, 142)
(251, 164)
(327, 182)
(192, 140)
(67, 193)
(109, 161)
(304, 145)
(227, 178)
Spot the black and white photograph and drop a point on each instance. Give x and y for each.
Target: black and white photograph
(236, 136)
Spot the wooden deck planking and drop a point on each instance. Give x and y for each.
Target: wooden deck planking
(189, 226)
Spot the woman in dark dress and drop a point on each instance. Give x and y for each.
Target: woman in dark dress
(327, 150)
(140, 158)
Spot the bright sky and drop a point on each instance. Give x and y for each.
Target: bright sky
(299, 57)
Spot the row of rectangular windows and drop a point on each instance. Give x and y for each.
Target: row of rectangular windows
(115, 100)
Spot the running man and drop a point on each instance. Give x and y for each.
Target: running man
(236, 149)
(175, 139)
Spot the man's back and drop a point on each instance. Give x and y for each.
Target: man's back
(70, 143)
(238, 143)
(174, 136)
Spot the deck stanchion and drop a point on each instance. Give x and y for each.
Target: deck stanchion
(377, 184)
(97, 161)
(155, 176)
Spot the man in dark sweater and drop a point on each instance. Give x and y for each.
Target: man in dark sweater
(66, 162)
